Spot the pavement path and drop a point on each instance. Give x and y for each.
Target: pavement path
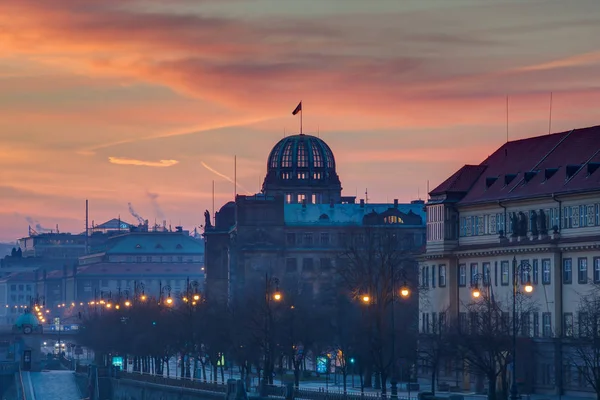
(54, 385)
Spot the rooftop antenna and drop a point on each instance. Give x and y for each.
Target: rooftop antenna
(550, 118)
(427, 188)
(506, 118)
(213, 202)
(284, 132)
(366, 196)
(318, 132)
(234, 177)
(87, 226)
(418, 193)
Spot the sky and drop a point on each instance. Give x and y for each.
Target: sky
(148, 102)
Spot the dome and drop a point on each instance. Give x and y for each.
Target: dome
(26, 319)
(304, 163)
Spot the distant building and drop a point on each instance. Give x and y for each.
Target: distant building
(536, 200)
(154, 259)
(296, 229)
(16, 291)
(53, 245)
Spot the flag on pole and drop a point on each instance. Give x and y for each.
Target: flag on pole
(297, 109)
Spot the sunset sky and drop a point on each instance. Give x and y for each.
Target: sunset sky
(147, 102)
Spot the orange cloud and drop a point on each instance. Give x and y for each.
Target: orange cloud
(133, 161)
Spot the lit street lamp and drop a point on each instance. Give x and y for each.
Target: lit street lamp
(272, 293)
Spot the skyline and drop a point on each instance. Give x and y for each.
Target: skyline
(148, 102)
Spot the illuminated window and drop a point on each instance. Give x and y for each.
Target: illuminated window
(286, 161)
(302, 156)
(288, 198)
(317, 159)
(329, 158)
(301, 197)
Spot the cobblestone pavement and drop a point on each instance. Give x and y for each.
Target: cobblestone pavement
(54, 385)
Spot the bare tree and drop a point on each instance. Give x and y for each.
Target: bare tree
(584, 354)
(435, 347)
(482, 337)
(376, 263)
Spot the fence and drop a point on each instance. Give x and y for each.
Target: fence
(179, 382)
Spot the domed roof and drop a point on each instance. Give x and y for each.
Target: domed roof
(301, 151)
(301, 159)
(26, 319)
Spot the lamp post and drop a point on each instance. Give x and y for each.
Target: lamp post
(524, 266)
(404, 293)
(272, 293)
(518, 269)
(162, 290)
(138, 291)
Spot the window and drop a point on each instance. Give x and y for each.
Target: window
(536, 272)
(324, 239)
(596, 269)
(525, 272)
(583, 324)
(434, 322)
(546, 271)
(290, 239)
(433, 282)
(442, 321)
(325, 264)
(462, 322)
(582, 276)
(148, 258)
(442, 276)
(567, 271)
(525, 324)
(28, 288)
(474, 274)
(302, 155)
(504, 273)
(301, 197)
(425, 322)
(307, 265)
(462, 275)
(288, 198)
(487, 279)
(568, 321)
(425, 277)
(546, 324)
(138, 259)
(317, 159)
(291, 265)
(286, 161)
(308, 239)
(536, 324)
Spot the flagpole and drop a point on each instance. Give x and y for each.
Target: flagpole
(301, 117)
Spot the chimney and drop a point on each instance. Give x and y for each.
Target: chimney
(362, 203)
(395, 203)
(179, 229)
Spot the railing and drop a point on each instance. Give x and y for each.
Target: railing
(179, 382)
(20, 386)
(334, 394)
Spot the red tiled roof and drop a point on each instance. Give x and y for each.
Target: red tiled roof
(182, 269)
(535, 156)
(461, 181)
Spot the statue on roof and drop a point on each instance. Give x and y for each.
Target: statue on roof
(207, 223)
(542, 226)
(522, 224)
(533, 219)
(514, 225)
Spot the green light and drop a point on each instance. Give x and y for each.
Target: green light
(352, 360)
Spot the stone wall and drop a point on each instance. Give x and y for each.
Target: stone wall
(126, 389)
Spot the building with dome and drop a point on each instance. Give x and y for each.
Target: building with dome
(302, 168)
(297, 227)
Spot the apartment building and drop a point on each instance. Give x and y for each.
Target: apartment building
(536, 201)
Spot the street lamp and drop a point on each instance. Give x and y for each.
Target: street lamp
(272, 293)
(365, 298)
(523, 267)
(404, 293)
(165, 289)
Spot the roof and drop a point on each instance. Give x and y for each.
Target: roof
(154, 243)
(19, 277)
(26, 319)
(559, 163)
(461, 181)
(342, 214)
(141, 269)
(114, 224)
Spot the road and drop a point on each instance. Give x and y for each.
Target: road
(54, 385)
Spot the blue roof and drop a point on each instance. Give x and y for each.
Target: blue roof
(342, 214)
(27, 319)
(147, 243)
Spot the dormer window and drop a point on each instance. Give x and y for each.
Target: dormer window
(324, 217)
(179, 247)
(158, 246)
(138, 246)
